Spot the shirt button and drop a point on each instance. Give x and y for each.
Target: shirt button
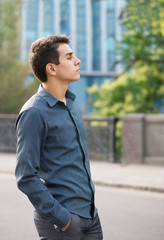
(55, 226)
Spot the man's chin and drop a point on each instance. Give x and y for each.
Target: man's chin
(76, 79)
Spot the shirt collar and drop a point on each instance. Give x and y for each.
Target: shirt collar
(50, 99)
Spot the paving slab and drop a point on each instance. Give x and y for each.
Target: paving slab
(136, 176)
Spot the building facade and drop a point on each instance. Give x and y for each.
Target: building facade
(94, 28)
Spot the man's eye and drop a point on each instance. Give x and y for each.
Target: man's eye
(69, 57)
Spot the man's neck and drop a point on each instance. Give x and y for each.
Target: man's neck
(56, 89)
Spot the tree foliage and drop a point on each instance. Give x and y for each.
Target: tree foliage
(141, 91)
(143, 40)
(13, 73)
(140, 86)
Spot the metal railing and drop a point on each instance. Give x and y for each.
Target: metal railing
(100, 134)
(101, 139)
(7, 133)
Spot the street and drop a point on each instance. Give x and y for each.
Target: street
(125, 214)
(130, 214)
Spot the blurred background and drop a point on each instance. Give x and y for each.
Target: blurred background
(121, 97)
(120, 44)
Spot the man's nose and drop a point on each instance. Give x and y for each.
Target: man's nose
(77, 61)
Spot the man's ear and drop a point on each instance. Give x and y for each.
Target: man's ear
(50, 69)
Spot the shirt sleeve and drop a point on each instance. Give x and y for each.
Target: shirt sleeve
(31, 131)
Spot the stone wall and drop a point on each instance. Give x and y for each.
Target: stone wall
(143, 138)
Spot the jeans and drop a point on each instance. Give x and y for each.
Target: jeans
(79, 229)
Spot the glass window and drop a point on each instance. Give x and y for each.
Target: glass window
(110, 44)
(96, 36)
(48, 11)
(32, 14)
(110, 24)
(65, 17)
(111, 59)
(110, 21)
(110, 5)
(81, 32)
(31, 22)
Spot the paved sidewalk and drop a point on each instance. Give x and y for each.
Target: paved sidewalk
(143, 177)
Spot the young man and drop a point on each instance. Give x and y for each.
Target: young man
(52, 161)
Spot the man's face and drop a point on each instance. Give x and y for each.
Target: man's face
(68, 68)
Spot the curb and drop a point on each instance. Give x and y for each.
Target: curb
(112, 185)
(129, 186)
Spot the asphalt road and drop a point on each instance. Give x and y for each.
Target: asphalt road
(125, 214)
(130, 214)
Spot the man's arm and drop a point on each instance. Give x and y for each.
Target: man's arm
(31, 132)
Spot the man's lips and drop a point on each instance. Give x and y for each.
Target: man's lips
(78, 70)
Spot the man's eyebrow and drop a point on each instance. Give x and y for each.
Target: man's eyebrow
(69, 53)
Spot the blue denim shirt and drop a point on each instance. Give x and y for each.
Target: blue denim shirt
(52, 161)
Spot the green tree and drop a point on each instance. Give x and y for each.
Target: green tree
(140, 86)
(143, 40)
(138, 91)
(13, 72)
